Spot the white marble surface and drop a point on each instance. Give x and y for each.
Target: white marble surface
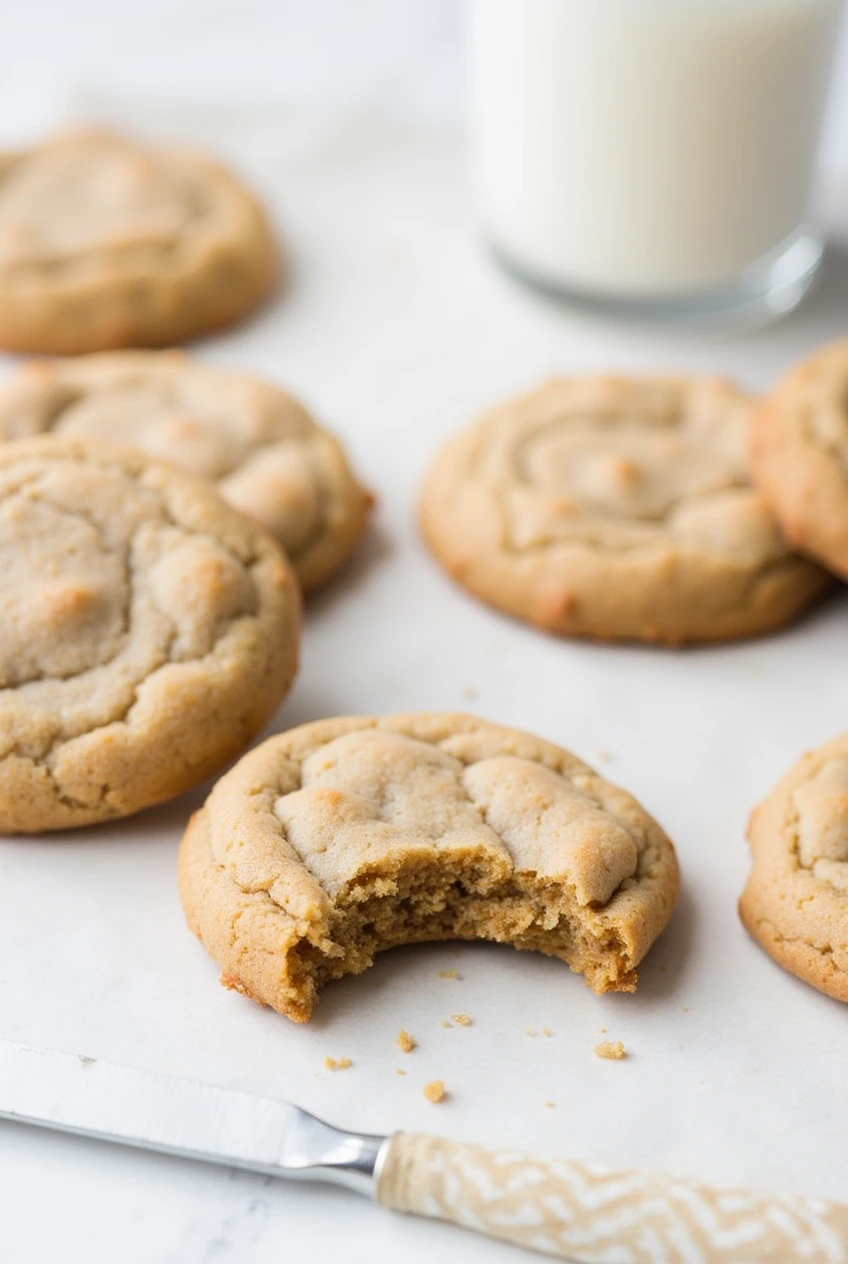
(396, 329)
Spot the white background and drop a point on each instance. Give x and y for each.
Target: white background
(396, 329)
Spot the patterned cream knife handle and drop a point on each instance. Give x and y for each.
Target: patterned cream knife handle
(590, 1215)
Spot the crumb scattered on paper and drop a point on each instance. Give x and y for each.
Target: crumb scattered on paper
(405, 1042)
(337, 1064)
(434, 1091)
(602, 1030)
(546, 1031)
(469, 693)
(603, 755)
(463, 1020)
(685, 1009)
(399, 1072)
(530, 1031)
(446, 1023)
(448, 974)
(612, 1049)
(549, 1103)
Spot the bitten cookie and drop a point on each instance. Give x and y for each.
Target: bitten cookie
(799, 455)
(341, 838)
(148, 631)
(259, 445)
(795, 903)
(108, 243)
(616, 508)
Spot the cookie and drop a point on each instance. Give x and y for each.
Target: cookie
(616, 508)
(105, 242)
(338, 839)
(259, 445)
(795, 903)
(799, 455)
(149, 630)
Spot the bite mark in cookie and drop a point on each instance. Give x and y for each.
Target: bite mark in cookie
(345, 837)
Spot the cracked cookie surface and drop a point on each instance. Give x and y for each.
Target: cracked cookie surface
(795, 903)
(616, 508)
(149, 631)
(261, 447)
(799, 455)
(341, 838)
(108, 243)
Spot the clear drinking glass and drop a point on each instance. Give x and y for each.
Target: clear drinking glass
(652, 159)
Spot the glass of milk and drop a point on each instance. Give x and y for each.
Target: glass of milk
(652, 158)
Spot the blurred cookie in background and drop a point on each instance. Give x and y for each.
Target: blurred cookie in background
(259, 445)
(105, 242)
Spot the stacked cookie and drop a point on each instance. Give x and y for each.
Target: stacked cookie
(157, 517)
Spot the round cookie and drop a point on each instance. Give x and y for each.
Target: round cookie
(795, 903)
(616, 508)
(149, 631)
(107, 243)
(259, 445)
(799, 455)
(338, 839)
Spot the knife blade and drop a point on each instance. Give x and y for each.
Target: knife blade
(566, 1208)
(137, 1108)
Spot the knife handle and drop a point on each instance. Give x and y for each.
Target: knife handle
(587, 1214)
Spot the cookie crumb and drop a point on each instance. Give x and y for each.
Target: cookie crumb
(463, 1020)
(337, 1064)
(448, 974)
(434, 1091)
(612, 1049)
(602, 1030)
(549, 1103)
(546, 1031)
(406, 1043)
(530, 1031)
(469, 693)
(399, 1072)
(603, 755)
(685, 1009)
(445, 1023)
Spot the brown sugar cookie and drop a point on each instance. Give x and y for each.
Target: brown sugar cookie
(795, 903)
(266, 454)
(148, 631)
(799, 455)
(616, 508)
(105, 242)
(338, 839)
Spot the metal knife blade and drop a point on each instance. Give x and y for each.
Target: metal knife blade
(182, 1117)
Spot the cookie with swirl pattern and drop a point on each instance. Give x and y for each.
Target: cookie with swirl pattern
(617, 508)
(105, 242)
(148, 631)
(795, 903)
(255, 441)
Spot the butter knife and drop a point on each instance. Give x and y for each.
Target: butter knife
(573, 1210)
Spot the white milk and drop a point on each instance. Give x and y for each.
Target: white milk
(646, 148)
